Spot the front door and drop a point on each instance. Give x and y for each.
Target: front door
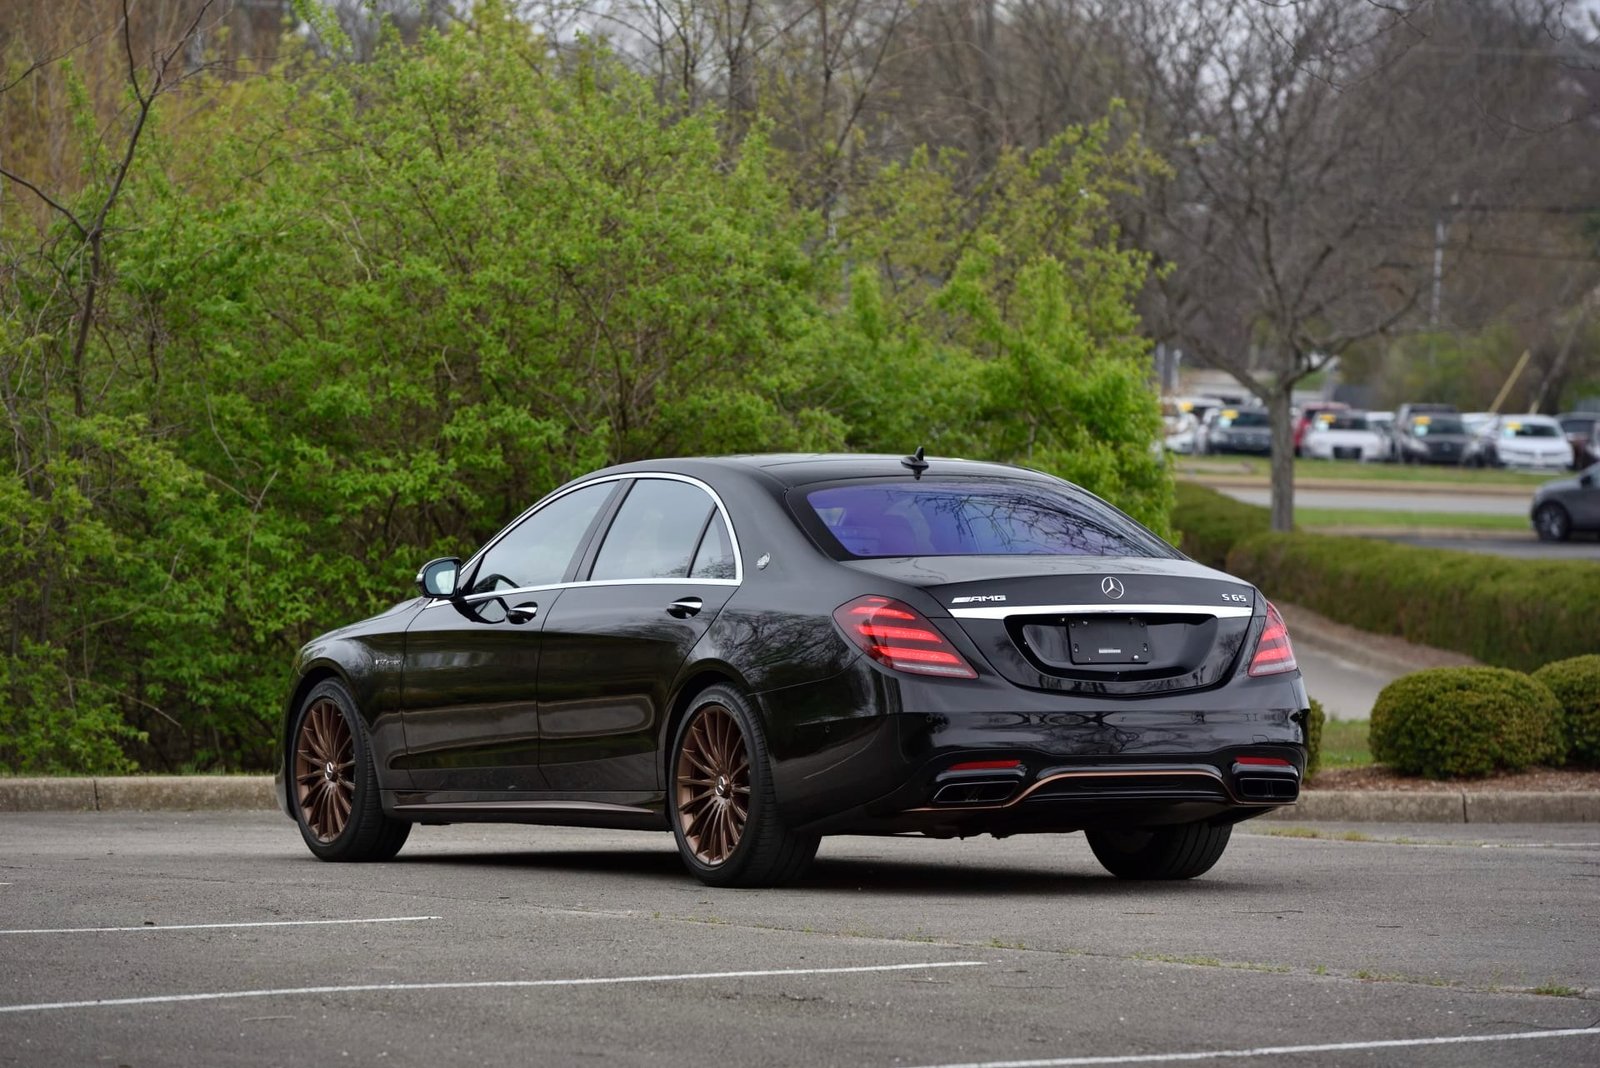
(614, 644)
(472, 666)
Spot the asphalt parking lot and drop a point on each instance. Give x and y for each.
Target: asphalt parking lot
(176, 939)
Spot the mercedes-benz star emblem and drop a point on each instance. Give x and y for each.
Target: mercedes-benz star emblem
(1111, 587)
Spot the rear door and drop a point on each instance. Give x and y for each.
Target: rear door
(615, 642)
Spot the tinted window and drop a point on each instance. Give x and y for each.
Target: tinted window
(715, 558)
(1424, 425)
(655, 532)
(1529, 430)
(536, 551)
(972, 518)
(1246, 418)
(1343, 422)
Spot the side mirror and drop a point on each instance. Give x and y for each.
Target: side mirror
(438, 577)
(1586, 479)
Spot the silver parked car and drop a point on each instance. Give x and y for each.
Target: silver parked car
(1567, 504)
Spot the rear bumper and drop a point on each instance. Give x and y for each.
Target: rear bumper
(1080, 762)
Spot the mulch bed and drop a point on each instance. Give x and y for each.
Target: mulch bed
(1378, 777)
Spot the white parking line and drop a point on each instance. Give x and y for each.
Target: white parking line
(168, 999)
(211, 926)
(1276, 1051)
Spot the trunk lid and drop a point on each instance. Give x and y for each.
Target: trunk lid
(1090, 625)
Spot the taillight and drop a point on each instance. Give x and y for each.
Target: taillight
(1273, 652)
(897, 636)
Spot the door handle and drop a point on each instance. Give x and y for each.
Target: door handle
(522, 612)
(684, 607)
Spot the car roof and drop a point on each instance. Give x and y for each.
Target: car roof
(794, 469)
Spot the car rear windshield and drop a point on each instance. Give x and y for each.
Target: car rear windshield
(962, 517)
(1233, 418)
(1342, 421)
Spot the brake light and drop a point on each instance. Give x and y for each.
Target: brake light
(1273, 653)
(986, 765)
(1263, 762)
(897, 636)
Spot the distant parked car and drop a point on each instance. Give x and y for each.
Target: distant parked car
(1382, 424)
(1583, 434)
(1566, 505)
(1431, 438)
(1531, 441)
(1343, 436)
(1308, 414)
(1477, 422)
(1183, 416)
(1245, 430)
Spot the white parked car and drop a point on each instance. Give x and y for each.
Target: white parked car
(1531, 441)
(1344, 436)
(1181, 418)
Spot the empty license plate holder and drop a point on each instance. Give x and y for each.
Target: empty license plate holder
(1108, 641)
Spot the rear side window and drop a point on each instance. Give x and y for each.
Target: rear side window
(655, 532)
(959, 517)
(714, 560)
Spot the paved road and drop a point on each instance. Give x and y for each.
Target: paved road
(543, 946)
(1393, 500)
(1347, 688)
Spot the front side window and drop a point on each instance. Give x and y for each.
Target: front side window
(655, 533)
(960, 517)
(538, 550)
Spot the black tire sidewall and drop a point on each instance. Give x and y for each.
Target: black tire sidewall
(362, 774)
(1558, 527)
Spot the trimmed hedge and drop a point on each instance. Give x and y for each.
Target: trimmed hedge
(1211, 523)
(1576, 684)
(1512, 613)
(1446, 723)
(1314, 724)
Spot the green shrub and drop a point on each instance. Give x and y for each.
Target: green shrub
(1512, 613)
(1211, 523)
(1576, 684)
(1314, 721)
(1450, 722)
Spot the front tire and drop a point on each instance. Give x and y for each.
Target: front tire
(1552, 522)
(1181, 852)
(724, 811)
(333, 782)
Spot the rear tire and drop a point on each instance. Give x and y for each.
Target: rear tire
(333, 781)
(1552, 522)
(1180, 852)
(721, 800)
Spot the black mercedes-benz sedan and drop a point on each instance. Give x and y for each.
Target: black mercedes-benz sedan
(753, 652)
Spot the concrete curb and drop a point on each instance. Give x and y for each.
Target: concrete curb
(253, 793)
(1441, 806)
(182, 793)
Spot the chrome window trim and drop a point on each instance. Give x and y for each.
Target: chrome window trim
(1226, 611)
(470, 566)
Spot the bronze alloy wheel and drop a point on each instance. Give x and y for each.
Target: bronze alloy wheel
(712, 784)
(323, 762)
